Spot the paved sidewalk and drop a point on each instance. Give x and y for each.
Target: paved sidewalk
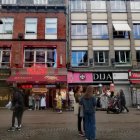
(48, 125)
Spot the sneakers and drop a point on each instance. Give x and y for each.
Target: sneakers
(81, 134)
(11, 129)
(18, 128)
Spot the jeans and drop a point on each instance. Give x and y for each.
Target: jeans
(17, 113)
(90, 126)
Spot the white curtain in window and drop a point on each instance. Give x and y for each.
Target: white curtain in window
(40, 1)
(9, 1)
(98, 5)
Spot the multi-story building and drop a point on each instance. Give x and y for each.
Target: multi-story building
(105, 45)
(33, 47)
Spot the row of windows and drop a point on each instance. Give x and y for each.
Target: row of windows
(48, 57)
(101, 58)
(32, 56)
(30, 28)
(100, 31)
(15, 1)
(101, 5)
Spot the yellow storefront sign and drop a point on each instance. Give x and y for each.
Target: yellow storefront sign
(39, 90)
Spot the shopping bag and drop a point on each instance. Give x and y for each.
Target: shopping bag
(76, 108)
(9, 105)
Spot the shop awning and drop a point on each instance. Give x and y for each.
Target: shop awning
(121, 27)
(135, 81)
(36, 79)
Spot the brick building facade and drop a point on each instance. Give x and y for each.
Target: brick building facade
(35, 35)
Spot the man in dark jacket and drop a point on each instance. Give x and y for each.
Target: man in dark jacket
(18, 108)
(123, 101)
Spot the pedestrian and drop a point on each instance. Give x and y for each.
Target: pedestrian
(71, 99)
(59, 102)
(30, 102)
(89, 106)
(37, 101)
(78, 95)
(18, 109)
(43, 102)
(123, 101)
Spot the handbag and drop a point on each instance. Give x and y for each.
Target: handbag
(76, 108)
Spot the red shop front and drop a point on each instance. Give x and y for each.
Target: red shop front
(38, 82)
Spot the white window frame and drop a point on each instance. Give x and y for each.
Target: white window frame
(98, 53)
(102, 30)
(34, 61)
(120, 61)
(78, 5)
(116, 3)
(40, 2)
(77, 53)
(9, 1)
(53, 21)
(81, 34)
(4, 33)
(31, 21)
(1, 56)
(135, 6)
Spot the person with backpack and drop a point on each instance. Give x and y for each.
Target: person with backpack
(18, 108)
(88, 101)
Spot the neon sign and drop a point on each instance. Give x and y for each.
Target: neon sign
(37, 70)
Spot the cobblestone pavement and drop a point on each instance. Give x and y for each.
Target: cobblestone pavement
(48, 125)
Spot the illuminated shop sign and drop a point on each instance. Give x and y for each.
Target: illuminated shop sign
(102, 76)
(37, 70)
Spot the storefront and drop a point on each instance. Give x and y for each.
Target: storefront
(4, 88)
(40, 81)
(99, 80)
(134, 77)
(121, 81)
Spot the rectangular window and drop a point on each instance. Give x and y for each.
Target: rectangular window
(79, 31)
(101, 58)
(100, 31)
(9, 1)
(118, 5)
(31, 26)
(122, 57)
(5, 57)
(136, 30)
(79, 58)
(40, 2)
(7, 26)
(98, 5)
(43, 56)
(51, 28)
(78, 5)
(135, 6)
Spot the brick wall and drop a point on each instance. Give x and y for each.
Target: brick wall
(19, 27)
